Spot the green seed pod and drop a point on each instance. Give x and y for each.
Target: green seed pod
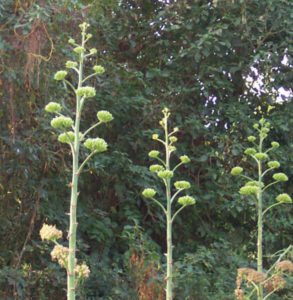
(250, 151)
(182, 185)
(186, 200)
(79, 50)
(273, 164)
(236, 171)
(96, 144)
(61, 122)
(104, 116)
(86, 91)
(53, 107)
(156, 168)
(154, 153)
(184, 159)
(60, 75)
(284, 198)
(280, 177)
(251, 138)
(99, 69)
(248, 190)
(166, 174)
(261, 156)
(71, 64)
(149, 193)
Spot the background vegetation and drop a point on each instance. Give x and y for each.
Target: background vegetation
(202, 60)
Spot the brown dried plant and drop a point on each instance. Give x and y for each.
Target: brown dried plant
(144, 275)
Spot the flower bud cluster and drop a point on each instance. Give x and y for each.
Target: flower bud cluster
(96, 145)
(280, 177)
(154, 154)
(165, 174)
(61, 122)
(284, 198)
(186, 200)
(53, 107)
(182, 185)
(104, 116)
(149, 193)
(99, 69)
(71, 64)
(86, 91)
(184, 159)
(236, 171)
(60, 75)
(156, 168)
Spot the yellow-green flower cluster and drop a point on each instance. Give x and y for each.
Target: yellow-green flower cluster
(274, 164)
(104, 116)
(250, 151)
(53, 107)
(61, 122)
(236, 171)
(186, 200)
(248, 190)
(280, 177)
(165, 174)
(184, 159)
(154, 153)
(71, 64)
(156, 168)
(284, 198)
(50, 233)
(96, 145)
(60, 75)
(86, 91)
(99, 69)
(79, 49)
(261, 156)
(149, 193)
(182, 185)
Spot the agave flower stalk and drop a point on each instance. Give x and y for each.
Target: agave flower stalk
(165, 173)
(74, 139)
(256, 188)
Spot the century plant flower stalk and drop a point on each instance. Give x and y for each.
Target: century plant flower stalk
(256, 189)
(165, 173)
(66, 257)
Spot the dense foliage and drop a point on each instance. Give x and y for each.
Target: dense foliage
(218, 66)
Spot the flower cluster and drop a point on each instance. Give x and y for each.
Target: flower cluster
(82, 271)
(53, 107)
(96, 145)
(50, 233)
(60, 254)
(104, 116)
(186, 200)
(86, 92)
(61, 122)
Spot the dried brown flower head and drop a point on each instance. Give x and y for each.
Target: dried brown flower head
(285, 265)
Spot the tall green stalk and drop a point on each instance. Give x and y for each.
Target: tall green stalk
(256, 189)
(165, 173)
(66, 257)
